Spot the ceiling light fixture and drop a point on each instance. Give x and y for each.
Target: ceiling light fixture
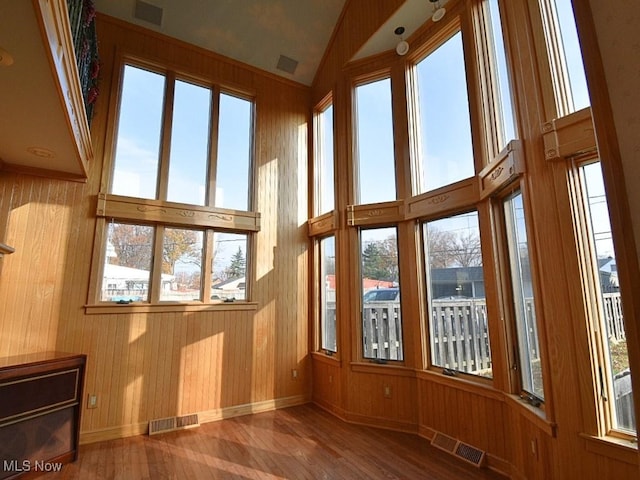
(438, 11)
(402, 47)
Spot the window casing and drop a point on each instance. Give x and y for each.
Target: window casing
(381, 307)
(324, 200)
(376, 177)
(458, 322)
(615, 393)
(444, 135)
(564, 56)
(529, 359)
(327, 294)
(182, 159)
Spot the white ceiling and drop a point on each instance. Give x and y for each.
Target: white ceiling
(257, 32)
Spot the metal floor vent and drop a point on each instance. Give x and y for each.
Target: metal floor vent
(459, 449)
(162, 425)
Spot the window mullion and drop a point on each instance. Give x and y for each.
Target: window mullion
(165, 148)
(207, 266)
(156, 270)
(213, 146)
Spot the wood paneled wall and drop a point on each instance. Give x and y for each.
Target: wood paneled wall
(150, 365)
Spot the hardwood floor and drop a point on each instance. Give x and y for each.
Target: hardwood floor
(301, 442)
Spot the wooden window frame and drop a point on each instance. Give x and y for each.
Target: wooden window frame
(570, 141)
(161, 213)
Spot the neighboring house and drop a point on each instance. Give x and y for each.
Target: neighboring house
(608, 275)
(232, 288)
(120, 280)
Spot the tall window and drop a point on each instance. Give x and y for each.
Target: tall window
(375, 155)
(446, 150)
(506, 120)
(179, 193)
(327, 290)
(526, 328)
(381, 312)
(616, 387)
(459, 333)
(565, 56)
(324, 201)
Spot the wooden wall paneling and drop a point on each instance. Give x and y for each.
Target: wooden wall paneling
(148, 365)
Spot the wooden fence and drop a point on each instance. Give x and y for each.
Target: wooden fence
(459, 331)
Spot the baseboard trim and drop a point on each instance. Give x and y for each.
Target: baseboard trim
(206, 416)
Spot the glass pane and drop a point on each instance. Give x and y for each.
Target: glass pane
(328, 294)
(446, 151)
(455, 287)
(181, 278)
(189, 144)
(234, 153)
(526, 326)
(229, 267)
(127, 266)
(376, 165)
(137, 154)
(502, 76)
(381, 315)
(324, 161)
(573, 55)
(615, 341)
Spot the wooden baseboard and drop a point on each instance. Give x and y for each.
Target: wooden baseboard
(207, 416)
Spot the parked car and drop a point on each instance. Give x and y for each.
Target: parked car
(382, 295)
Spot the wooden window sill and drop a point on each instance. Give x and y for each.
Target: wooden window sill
(110, 309)
(324, 358)
(613, 447)
(533, 414)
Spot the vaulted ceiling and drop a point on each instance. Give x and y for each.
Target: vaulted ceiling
(266, 34)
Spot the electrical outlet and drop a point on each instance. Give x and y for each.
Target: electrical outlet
(330, 378)
(387, 391)
(92, 401)
(294, 374)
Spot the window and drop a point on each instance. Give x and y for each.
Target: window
(616, 387)
(179, 194)
(502, 85)
(328, 341)
(459, 333)
(324, 201)
(565, 56)
(444, 136)
(526, 329)
(375, 154)
(381, 312)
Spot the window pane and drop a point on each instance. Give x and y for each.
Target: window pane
(565, 56)
(328, 294)
(615, 340)
(522, 286)
(181, 277)
(189, 144)
(573, 55)
(229, 266)
(127, 266)
(502, 76)
(324, 161)
(139, 125)
(445, 128)
(455, 285)
(234, 153)
(376, 165)
(381, 316)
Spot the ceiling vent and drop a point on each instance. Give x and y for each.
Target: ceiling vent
(287, 64)
(148, 13)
